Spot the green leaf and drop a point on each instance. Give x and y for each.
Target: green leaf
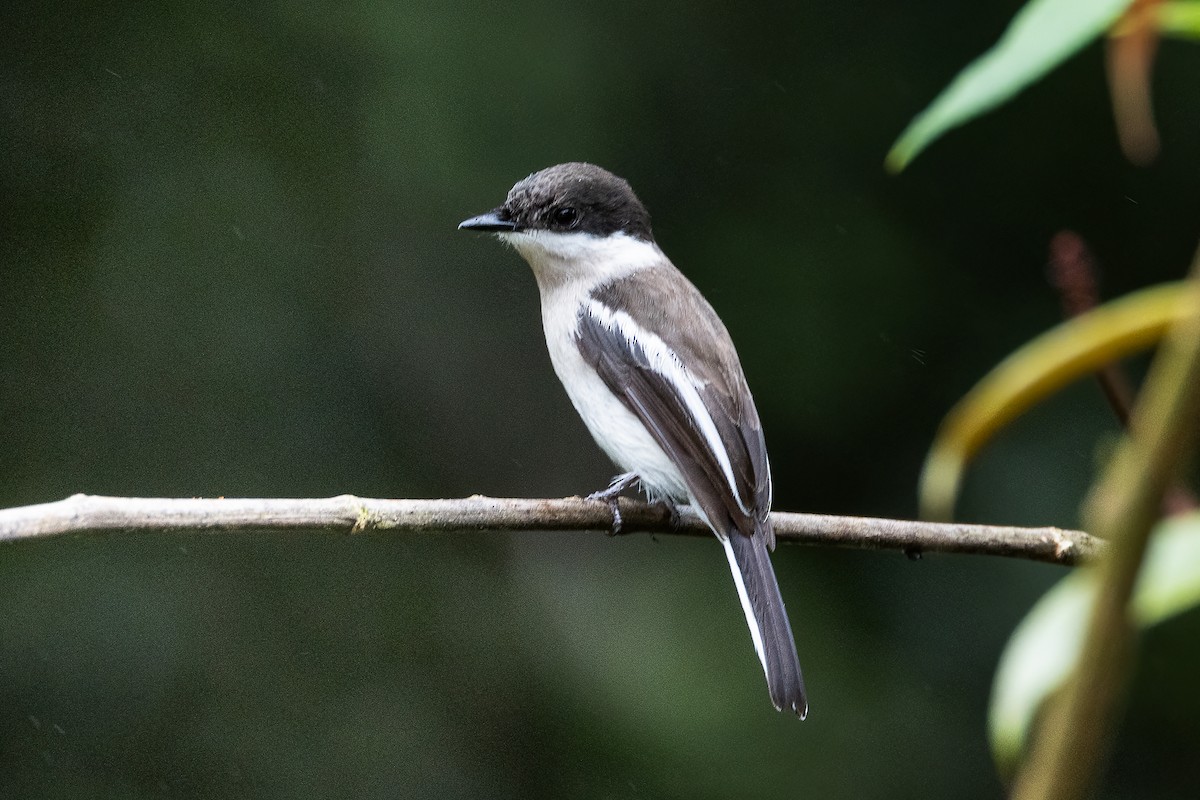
(1045, 646)
(1170, 580)
(1181, 19)
(1041, 36)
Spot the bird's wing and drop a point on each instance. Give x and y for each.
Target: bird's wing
(690, 395)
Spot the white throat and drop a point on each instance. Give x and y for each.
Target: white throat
(560, 258)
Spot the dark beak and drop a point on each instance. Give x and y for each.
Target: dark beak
(488, 223)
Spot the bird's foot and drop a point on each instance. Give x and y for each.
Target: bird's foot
(611, 496)
(676, 518)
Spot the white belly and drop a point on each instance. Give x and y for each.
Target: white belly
(614, 427)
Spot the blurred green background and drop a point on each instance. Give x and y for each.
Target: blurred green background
(229, 266)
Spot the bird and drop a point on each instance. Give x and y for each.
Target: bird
(654, 374)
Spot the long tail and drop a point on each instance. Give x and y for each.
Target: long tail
(768, 621)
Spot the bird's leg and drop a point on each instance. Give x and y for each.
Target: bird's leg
(673, 509)
(610, 495)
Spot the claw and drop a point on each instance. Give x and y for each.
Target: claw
(611, 495)
(615, 507)
(672, 509)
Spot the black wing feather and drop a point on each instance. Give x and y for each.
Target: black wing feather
(626, 369)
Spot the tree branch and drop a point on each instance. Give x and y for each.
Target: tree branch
(81, 514)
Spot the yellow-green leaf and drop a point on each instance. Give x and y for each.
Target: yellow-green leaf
(1041, 367)
(1181, 19)
(1042, 35)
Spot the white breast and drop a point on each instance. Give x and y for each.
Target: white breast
(567, 267)
(614, 427)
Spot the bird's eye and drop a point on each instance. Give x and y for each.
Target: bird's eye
(566, 215)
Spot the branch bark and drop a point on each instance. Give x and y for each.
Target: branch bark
(86, 514)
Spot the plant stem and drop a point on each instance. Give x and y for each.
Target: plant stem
(1072, 744)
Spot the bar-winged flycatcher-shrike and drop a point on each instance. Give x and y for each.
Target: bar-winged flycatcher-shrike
(653, 373)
